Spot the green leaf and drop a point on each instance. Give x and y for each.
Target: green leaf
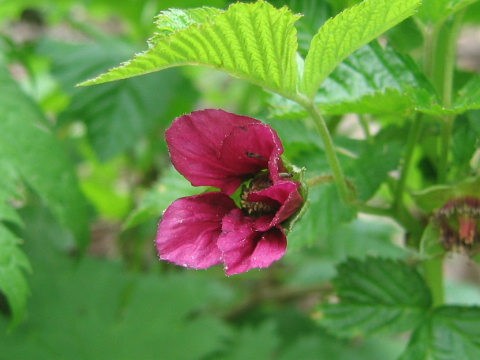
(466, 99)
(372, 80)
(254, 343)
(309, 346)
(371, 166)
(347, 32)
(117, 115)
(172, 20)
(376, 294)
(9, 184)
(171, 187)
(315, 14)
(28, 146)
(450, 333)
(96, 309)
(13, 263)
(8, 213)
(469, 96)
(436, 11)
(464, 143)
(255, 42)
(324, 213)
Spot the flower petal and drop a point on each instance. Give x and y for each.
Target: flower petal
(195, 143)
(251, 148)
(284, 193)
(243, 248)
(189, 230)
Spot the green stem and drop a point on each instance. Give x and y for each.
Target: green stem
(321, 179)
(447, 127)
(433, 274)
(430, 48)
(412, 140)
(447, 88)
(338, 177)
(365, 127)
(374, 210)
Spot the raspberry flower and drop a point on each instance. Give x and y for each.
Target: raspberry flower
(242, 225)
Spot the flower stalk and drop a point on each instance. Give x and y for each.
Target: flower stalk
(338, 176)
(407, 162)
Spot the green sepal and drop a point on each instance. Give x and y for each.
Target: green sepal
(430, 244)
(297, 174)
(435, 197)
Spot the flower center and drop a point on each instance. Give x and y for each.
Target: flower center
(257, 208)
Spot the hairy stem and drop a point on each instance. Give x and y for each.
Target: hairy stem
(450, 48)
(374, 210)
(430, 48)
(407, 162)
(366, 129)
(321, 179)
(338, 176)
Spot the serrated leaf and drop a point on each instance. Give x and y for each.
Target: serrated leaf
(370, 169)
(466, 99)
(255, 42)
(172, 20)
(28, 146)
(315, 14)
(9, 182)
(376, 294)
(171, 187)
(117, 115)
(450, 333)
(347, 32)
(373, 80)
(13, 264)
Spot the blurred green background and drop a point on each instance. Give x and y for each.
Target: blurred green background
(107, 296)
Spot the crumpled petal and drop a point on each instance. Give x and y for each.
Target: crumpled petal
(251, 148)
(195, 142)
(286, 194)
(243, 248)
(188, 232)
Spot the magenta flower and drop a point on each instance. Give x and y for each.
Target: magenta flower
(224, 150)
